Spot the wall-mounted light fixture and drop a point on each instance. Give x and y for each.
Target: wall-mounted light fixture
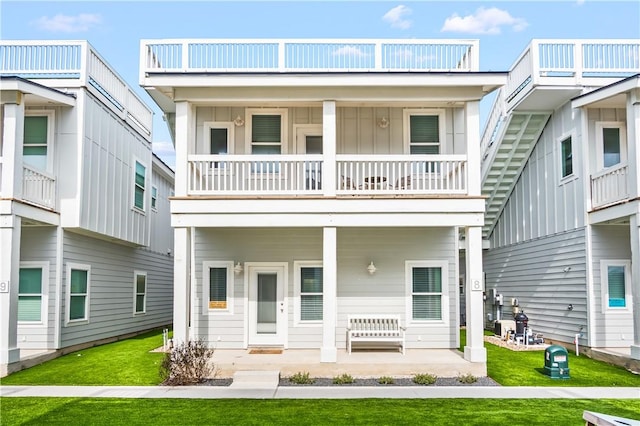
(371, 268)
(238, 121)
(238, 268)
(570, 307)
(383, 123)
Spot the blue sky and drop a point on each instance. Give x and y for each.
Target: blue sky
(504, 28)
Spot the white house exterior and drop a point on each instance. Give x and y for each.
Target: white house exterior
(85, 238)
(560, 171)
(317, 179)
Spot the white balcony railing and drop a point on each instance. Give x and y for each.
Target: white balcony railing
(306, 55)
(609, 186)
(38, 187)
(302, 175)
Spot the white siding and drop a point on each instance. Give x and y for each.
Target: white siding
(534, 273)
(161, 236)
(612, 329)
(111, 288)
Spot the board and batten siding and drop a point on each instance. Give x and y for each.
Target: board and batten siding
(358, 292)
(357, 131)
(612, 329)
(110, 150)
(546, 275)
(111, 289)
(542, 203)
(38, 244)
(161, 235)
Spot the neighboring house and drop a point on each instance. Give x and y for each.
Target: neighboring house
(85, 237)
(561, 175)
(318, 179)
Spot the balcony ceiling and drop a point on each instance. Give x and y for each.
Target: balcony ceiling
(546, 98)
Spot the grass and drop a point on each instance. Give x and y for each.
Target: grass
(65, 411)
(124, 363)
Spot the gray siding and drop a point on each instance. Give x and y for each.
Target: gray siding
(161, 237)
(111, 289)
(534, 273)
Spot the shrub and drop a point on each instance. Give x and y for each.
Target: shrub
(424, 379)
(302, 378)
(187, 363)
(467, 378)
(343, 379)
(385, 380)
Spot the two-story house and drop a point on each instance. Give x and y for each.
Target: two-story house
(318, 179)
(560, 171)
(85, 237)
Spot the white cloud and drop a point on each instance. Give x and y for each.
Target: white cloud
(68, 24)
(397, 17)
(484, 21)
(165, 151)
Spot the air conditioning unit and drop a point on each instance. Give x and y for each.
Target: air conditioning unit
(502, 326)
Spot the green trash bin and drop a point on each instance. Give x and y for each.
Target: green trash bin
(556, 362)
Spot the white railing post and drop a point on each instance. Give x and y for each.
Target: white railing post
(184, 64)
(329, 173)
(378, 56)
(578, 61)
(534, 55)
(84, 63)
(282, 56)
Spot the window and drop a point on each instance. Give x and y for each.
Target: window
(616, 284)
(218, 288)
(218, 139)
(426, 299)
(139, 185)
(611, 144)
(423, 131)
(78, 292)
(140, 292)
(36, 137)
(30, 295)
(566, 157)
(309, 292)
(266, 131)
(154, 198)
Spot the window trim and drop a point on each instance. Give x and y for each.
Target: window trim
(284, 127)
(604, 285)
(44, 292)
(297, 293)
(135, 185)
(87, 304)
(154, 198)
(228, 125)
(50, 114)
(136, 274)
(406, 130)
(600, 126)
(444, 299)
(559, 141)
(206, 277)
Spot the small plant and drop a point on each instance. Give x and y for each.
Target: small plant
(385, 380)
(343, 379)
(467, 378)
(302, 378)
(187, 363)
(424, 379)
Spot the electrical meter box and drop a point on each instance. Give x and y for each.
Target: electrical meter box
(556, 362)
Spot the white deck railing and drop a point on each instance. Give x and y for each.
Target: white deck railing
(306, 55)
(302, 175)
(69, 61)
(38, 187)
(609, 186)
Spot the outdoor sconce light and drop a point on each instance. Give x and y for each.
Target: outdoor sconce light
(383, 123)
(238, 268)
(239, 122)
(371, 268)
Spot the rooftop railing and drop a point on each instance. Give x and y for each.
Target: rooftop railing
(306, 55)
(69, 61)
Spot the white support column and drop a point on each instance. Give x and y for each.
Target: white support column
(474, 156)
(185, 143)
(329, 148)
(181, 285)
(474, 350)
(10, 230)
(328, 352)
(635, 283)
(12, 136)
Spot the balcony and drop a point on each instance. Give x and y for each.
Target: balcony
(356, 175)
(610, 186)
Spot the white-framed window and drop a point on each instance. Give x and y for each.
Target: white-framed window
(78, 286)
(218, 137)
(154, 198)
(266, 131)
(615, 280)
(139, 292)
(566, 156)
(611, 144)
(38, 139)
(308, 292)
(32, 292)
(139, 184)
(426, 284)
(423, 131)
(218, 287)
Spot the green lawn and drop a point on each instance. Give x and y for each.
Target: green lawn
(66, 411)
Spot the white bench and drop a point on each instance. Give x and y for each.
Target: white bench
(375, 329)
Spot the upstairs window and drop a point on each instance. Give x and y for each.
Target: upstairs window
(139, 186)
(35, 145)
(266, 133)
(566, 157)
(611, 144)
(424, 134)
(154, 198)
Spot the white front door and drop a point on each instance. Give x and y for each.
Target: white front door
(267, 309)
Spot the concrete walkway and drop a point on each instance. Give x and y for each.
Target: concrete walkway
(318, 392)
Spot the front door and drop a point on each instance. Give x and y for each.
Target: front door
(267, 310)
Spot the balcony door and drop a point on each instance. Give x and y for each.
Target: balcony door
(309, 141)
(267, 310)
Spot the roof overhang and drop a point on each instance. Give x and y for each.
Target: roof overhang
(613, 95)
(16, 89)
